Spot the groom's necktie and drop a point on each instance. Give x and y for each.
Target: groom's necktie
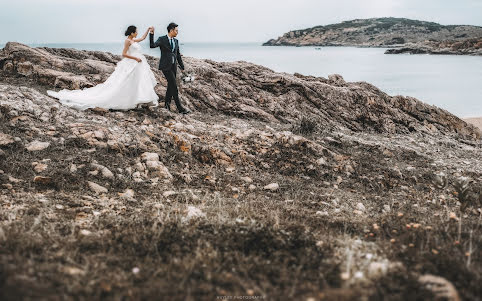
(172, 49)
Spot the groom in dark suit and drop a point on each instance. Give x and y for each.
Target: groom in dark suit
(170, 57)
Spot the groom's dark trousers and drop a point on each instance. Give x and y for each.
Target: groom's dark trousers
(172, 91)
(170, 57)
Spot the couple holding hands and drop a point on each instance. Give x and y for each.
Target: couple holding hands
(132, 82)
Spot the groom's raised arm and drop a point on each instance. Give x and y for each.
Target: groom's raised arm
(151, 41)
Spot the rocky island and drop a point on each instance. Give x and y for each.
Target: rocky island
(278, 185)
(468, 47)
(404, 35)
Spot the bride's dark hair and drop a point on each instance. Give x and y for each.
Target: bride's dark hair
(130, 29)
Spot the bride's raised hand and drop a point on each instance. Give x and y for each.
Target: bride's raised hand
(143, 36)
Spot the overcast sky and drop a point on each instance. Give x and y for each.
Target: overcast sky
(83, 21)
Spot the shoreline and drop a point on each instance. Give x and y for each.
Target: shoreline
(477, 121)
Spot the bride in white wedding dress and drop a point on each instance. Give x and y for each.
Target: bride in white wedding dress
(132, 82)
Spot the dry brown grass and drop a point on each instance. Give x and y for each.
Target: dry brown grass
(61, 241)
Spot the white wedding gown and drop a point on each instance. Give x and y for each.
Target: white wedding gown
(130, 84)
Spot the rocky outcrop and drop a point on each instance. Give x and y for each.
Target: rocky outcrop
(273, 175)
(379, 32)
(464, 47)
(247, 91)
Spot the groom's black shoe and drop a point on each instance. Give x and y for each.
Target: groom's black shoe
(167, 106)
(185, 111)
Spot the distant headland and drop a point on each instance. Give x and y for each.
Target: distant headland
(404, 35)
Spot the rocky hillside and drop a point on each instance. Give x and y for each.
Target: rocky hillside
(468, 47)
(377, 32)
(278, 185)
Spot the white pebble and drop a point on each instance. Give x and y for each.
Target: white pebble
(358, 275)
(360, 207)
(85, 232)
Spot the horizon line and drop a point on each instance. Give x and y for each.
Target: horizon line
(122, 41)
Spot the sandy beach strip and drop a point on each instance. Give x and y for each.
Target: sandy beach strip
(477, 121)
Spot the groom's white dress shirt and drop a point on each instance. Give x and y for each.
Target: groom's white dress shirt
(171, 42)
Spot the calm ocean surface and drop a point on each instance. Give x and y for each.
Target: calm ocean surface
(451, 82)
